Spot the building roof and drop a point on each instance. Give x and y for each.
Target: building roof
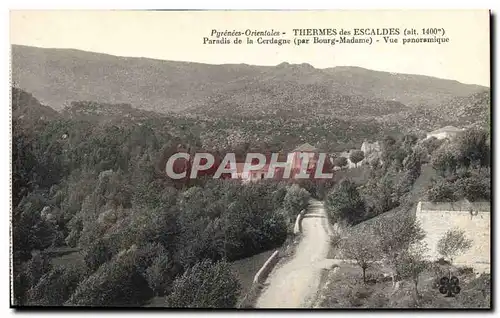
(305, 148)
(450, 129)
(480, 206)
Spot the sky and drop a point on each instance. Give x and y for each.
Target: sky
(178, 36)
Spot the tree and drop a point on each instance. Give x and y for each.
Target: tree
(474, 187)
(362, 249)
(159, 274)
(395, 235)
(21, 286)
(205, 285)
(38, 266)
(115, 283)
(413, 163)
(357, 156)
(444, 161)
(441, 191)
(409, 141)
(24, 165)
(30, 230)
(375, 163)
(345, 203)
(397, 157)
(453, 243)
(473, 148)
(431, 144)
(388, 142)
(296, 200)
(55, 287)
(97, 254)
(389, 146)
(411, 264)
(340, 162)
(381, 191)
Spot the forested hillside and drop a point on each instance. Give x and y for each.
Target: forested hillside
(97, 185)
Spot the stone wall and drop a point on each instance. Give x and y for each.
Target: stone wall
(476, 226)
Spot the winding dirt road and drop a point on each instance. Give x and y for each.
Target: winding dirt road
(295, 283)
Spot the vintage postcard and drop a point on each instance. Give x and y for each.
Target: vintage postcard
(251, 159)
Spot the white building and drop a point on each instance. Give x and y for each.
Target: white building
(445, 132)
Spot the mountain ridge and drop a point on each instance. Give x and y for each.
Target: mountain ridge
(59, 76)
(330, 68)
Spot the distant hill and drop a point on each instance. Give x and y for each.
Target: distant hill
(467, 110)
(462, 111)
(27, 111)
(59, 76)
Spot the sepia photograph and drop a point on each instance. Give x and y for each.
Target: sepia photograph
(246, 160)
